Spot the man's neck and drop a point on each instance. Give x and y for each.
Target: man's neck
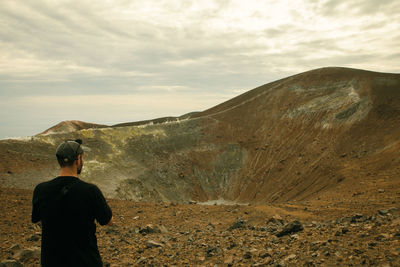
(68, 172)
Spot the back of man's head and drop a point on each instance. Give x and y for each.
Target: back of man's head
(68, 152)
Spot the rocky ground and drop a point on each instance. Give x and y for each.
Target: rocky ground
(149, 234)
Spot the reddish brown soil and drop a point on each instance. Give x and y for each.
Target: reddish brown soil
(198, 235)
(296, 157)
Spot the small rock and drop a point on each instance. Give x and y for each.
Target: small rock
(153, 244)
(33, 238)
(290, 228)
(381, 191)
(231, 245)
(247, 255)
(295, 237)
(212, 251)
(345, 230)
(201, 258)
(290, 257)
(150, 229)
(358, 218)
(141, 260)
(239, 224)
(265, 255)
(112, 230)
(383, 212)
(382, 237)
(27, 254)
(315, 245)
(15, 248)
(309, 262)
(228, 259)
(163, 229)
(276, 219)
(259, 264)
(272, 229)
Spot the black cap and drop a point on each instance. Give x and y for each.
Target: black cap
(68, 151)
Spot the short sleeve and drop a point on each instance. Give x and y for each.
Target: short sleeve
(35, 206)
(102, 211)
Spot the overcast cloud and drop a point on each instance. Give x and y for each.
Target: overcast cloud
(118, 61)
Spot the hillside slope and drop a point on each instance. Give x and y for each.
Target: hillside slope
(326, 133)
(312, 132)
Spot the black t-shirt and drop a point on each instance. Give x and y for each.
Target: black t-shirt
(67, 208)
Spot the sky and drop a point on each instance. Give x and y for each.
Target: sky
(114, 61)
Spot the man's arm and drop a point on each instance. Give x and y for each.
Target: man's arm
(35, 207)
(102, 211)
(111, 222)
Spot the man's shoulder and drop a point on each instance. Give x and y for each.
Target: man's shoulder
(88, 187)
(61, 181)
(44, 184)
(87, 184)
(45, 189)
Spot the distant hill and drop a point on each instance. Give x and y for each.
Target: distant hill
(330, 132)
(158, 120)
(76, 125)
(71, 126)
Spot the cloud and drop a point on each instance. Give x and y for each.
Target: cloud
(86, 48)
(360, 7)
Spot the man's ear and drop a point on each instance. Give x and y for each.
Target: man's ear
(80, 157)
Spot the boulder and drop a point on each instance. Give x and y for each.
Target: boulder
(290, 228)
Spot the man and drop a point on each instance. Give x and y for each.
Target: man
(67, 208)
